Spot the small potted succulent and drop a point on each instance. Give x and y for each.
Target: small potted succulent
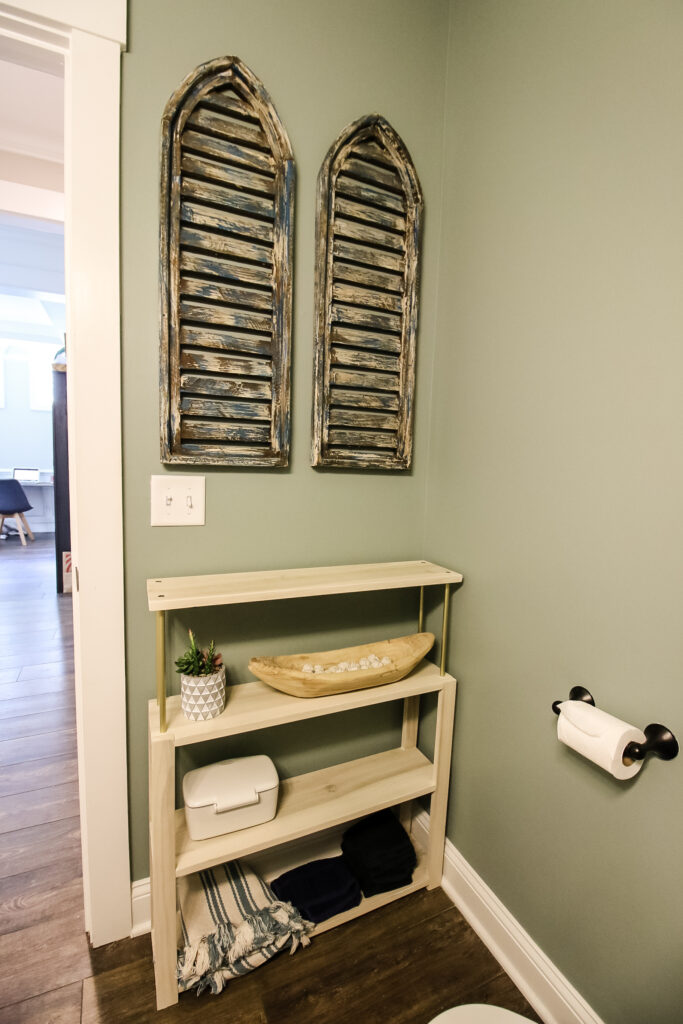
(202, 681)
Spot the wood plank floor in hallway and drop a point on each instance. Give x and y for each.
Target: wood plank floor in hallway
(400, 965)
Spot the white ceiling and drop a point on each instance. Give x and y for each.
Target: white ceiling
(31, 111)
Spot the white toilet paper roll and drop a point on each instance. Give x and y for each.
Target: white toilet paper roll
(598, 736)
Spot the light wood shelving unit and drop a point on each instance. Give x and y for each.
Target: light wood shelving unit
(316, 801)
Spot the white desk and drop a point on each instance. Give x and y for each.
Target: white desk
(41, 518)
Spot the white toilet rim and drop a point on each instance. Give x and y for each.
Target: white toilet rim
(477, 1013)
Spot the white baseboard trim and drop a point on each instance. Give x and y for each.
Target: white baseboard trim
(553, 998)
(141, 908)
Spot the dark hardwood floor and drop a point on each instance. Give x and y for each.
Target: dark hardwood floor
(401, 965)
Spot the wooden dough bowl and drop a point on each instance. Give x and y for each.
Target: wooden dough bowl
(285, 672)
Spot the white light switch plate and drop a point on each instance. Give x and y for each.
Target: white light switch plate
(178, 500)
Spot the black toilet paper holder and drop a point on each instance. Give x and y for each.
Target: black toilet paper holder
(658, 739)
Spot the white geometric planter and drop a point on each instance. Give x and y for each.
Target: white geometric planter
(203, 697)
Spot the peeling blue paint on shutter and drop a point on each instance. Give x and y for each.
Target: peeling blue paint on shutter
(368, 223)
(227, 179)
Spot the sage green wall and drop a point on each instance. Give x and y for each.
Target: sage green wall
(548, 432)
(324, 64)
(556, 470)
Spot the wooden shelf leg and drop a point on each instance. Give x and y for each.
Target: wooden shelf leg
(162, 868)
(439, 801)
(411, 721)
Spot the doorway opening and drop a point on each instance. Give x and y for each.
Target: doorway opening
(84, 43)
(41, 867)
(32, 352)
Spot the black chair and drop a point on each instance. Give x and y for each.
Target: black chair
(13, 504)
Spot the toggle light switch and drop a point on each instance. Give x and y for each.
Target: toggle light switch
(177, 500)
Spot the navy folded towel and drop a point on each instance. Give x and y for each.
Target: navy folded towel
(319, 889)
(379, 853)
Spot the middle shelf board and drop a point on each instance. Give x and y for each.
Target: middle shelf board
(255, 705)
(313, 802)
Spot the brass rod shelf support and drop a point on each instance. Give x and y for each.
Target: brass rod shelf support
(161, 669)
(444, 627)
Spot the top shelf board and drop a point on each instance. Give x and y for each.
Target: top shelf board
(279, 584)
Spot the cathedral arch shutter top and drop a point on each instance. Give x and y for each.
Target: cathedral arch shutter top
(227, 178)
(368, 227)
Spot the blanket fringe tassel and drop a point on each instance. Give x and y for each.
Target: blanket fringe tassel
(202, 964)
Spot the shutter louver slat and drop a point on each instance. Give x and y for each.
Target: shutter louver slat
(197, 312)
(220, 266)
(368, 214)
(226, 340)
(357, 295)
(366, 234)
(362, 399)
(208, 430)
(369, 193)
(365, 360)
(217, 123)
(371, 278)
(218, 363)
(365, 339)
(367, 381)
(227, 221)
(250, 298)
(341, 314)
(226, 255)
(234, 177)
(367, 256)
(240, 202)
(196, 384)
(358, 439)
(230, 152)
(223, 245)
(367, 231)
(205, 407)
(373, 174)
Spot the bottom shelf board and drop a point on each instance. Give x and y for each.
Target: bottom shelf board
(272, 863)
(311, 803)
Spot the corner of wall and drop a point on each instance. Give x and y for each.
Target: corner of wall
(424, 533)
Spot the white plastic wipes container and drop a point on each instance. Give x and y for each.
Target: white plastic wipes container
(230, 795)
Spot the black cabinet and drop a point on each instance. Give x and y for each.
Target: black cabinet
(60, 445)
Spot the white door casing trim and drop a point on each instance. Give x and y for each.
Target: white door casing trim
(91, 36)
(106, 18)
(95, 472)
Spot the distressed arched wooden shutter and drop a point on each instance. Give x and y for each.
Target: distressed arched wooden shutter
(368, 223)
(227, 178)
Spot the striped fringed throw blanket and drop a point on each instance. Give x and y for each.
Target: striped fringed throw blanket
(229, 923)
